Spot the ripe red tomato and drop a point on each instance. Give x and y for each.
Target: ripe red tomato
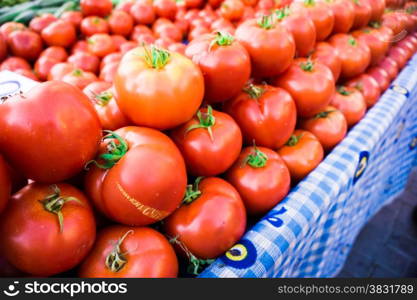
(125, 5)
(59, 70)
(311, 84)
(344, 15)
(118, 41)
(43, 66)
(224, 62)
(55, 52)
(221, 24)
(302, 154)
(321, 15)
(177, 47)
(157, 88)
(328, 55)
(261, 178)
(378, 8)
(399, 55)
(111, 58)
(120, 23)
(13, 63)
(59, 33)
(211, 136)
(79, 78)
(368, 87)
(211, 220)
(101, 8)
(85, 61)
(351, 103)
(26, 44)
(165, 8)
(60, 116)
(47, 229)
(381, 76)
(5, 183)
(269, 44)
(139, 177)
(80, 46)
(74, 17)
(393, 21)
(329, 127)
(102, 96)
(109, 71)
(302, 29)
(7, 28)
(232, 10)
(126, 252)
(196, 32)
(265, 114)
(101, 44)
(3, 48)
(143, 13)
(92, 25)
(354, 54)
(37, 24)
(363, 13)
(373, 39)
(390, 66)
(169, 31)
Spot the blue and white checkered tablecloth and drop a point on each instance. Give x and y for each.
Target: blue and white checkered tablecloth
(310, 233)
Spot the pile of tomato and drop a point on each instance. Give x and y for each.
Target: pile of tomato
(161, 126)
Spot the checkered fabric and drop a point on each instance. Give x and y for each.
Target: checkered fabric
(310, 233)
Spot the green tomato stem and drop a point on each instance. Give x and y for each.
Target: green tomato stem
(192, 192)
(116, 260)
(206, 121)
(156, 58)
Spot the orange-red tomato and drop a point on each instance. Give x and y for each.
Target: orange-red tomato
(26, 44)
(108, 72)
(59, 70)
(79, 78)
(390, 66)
(302, 154)
(143, 13)
(85, 61)
(351, 103)
(120, 23)
(3, 48)
(92, 25)
(7, 28)
(329, 126)
(373, 39)
(99, 8)
(328, 55)
(368, 87)
(363, 13)
(37, 24)
(165, 8)
(232, 9)
(381, 76)
(74, 17)
(261, 178)
(101, 44)
(59, 33)
(344, 15)
(43, 66)
(80, 46)
(13, 63)
(55, 52)
(378, 8)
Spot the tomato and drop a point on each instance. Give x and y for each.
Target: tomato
(329, 127)
(261, 178)
(125, 5)
(26, 44)
(129, 45)
(354, 54)
(196, 32)
(120, 23)
(165, 8)
(111, 58)
(344, 15)
(7, 28)
(126, 252)
(37, 24)
(328, 55)
(170, 31)
(118, 41)
(109, 72)
(99, 8)
(193, 3)
(5, 183)
(224, 62)
(157, 88)
(232, 9)
(269, 44)
(101, 44)
(399, 55)
(373, 39)
(351, 103)
(381, 76)
(43, 66)
(3, 49)
(390, 66)
(60, 116)
(59, 70)
(302, 29)
(93, 25)
(13, 63)
(47, 229)
(408, 46)
(103, 98)
(378, 8)
(74, 17)
(59, 33)
(321, 15)
(311, 84)
(211, 220)
(85, 61)
(139, 30)
(368, 87)
(55, 52)
(222, 24)
(265, 4)
(143, 13)
(302, 154)
(27, 73)
(177, 47)
(394, 22)
(141, 180)
(363, 13)
(80, 46)
(79, 78)
(266, 115)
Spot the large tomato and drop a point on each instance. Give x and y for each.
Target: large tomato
(232, 9)
(270, 46)
(266, 115)
(344, 15)
(210, 221)
(351, 103)
(47, 229)
(390, 66)
(210, 142)
(329, 127)
(224, 62)
(139, 177)
(5, 184)
(321, 15)
(302, 29)
(7, 28)
(381, 76)
(354, 54)
(329, 56)
(165, 8)
(373, 39)
(85, 61)
(399, 55)
(130, 252)
(143, 13)
(79, 78)
(363, 13)
(302, 154)
(60, 116)
(59, 33)
(37, 24)
(26, 44)
(157, 88)
(261, 178)
(101, 44)
(92, 25)
(43, 66)
(100, 8)
(74, 17)
(368, 87)
(120, 23)
(311, 84)
(378, 8)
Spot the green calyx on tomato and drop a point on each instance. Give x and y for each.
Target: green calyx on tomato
(309, 2)
(282, 13)
(352, 41)
(293, 140)
(266, 22)
(255, 92)
(196, 264)
(77, 72)
(359, 86)
(192, 192)
(103, 98)
(156, 58)
(343, 91)
(114, 151)
(323, 114)
(116, 260)
(366, 30)
(222, 39)
(307, 66)
(375, 24)
(256, 159)
(206, 121)
(357, 2)
(54, 204)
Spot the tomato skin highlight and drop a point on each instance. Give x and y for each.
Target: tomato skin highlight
(328, 55)
(368, 87)
(352, 105)
(148, 254)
